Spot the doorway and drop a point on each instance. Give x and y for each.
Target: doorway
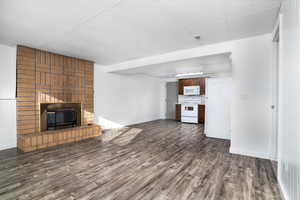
(172, 98)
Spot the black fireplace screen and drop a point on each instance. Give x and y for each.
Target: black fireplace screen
(59, 115)
(61, 118)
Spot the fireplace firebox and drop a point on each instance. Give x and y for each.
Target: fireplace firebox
(60, 116)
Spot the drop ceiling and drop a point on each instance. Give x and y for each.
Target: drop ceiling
(213, 65)
(114, 31)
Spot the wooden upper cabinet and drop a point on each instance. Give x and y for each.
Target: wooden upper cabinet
(191, 82)
(202, 86)
(180, 87)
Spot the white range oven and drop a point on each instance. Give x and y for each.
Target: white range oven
(191, 90)
(189, 113)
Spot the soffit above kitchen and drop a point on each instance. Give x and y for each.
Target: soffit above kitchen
(212, 65)
(114, 31)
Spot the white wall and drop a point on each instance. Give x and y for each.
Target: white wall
(8, 133)
(289, 101)
(8, 136)
(8, 72)
(123, 100)
(251, 113)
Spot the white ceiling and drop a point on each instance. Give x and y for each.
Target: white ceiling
(114, 31)
(219, 64)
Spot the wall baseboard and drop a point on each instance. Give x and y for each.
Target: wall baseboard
(219, 137)
(120, 125)
(4, 147)
(142, 121)
(282, 190)
(273, 158)
(249, 153)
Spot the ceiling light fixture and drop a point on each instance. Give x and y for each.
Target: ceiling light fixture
(189, 74)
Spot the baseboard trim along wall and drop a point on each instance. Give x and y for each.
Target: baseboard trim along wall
(223, 137)
(4, 147)
(140, 122)
(133, 123)
(249, 153)
(282, 190)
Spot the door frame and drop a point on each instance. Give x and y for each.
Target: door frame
(276, 48)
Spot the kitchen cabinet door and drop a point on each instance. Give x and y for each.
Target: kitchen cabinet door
(201, 113)
(178, 112)
(191, 82)
(202, 86)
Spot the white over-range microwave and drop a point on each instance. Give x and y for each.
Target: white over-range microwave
(191, 90)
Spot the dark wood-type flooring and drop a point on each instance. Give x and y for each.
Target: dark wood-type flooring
(163, 160)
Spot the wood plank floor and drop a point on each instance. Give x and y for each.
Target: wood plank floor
(164, 160)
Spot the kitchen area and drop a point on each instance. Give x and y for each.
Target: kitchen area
(195, 91)
(190, 107)
(202, 100)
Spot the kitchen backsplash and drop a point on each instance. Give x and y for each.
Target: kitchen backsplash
(199, 99)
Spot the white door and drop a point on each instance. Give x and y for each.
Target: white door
(217, 107)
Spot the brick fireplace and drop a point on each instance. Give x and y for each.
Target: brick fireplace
(55, 100)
